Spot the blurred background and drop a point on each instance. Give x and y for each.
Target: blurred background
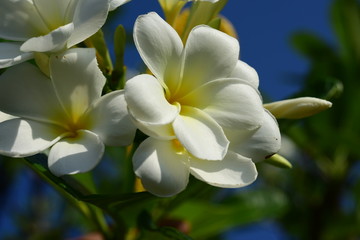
(299, 48)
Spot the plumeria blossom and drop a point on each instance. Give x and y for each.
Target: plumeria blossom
(48, 25)
(65, 113)
(201, 109)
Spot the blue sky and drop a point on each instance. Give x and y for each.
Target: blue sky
(264, 28)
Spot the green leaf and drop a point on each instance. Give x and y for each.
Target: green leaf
(346, 21)
(117, 202)
(123, 208)
(312, 46)
(39, 164)
(209, 219)
(72, 192)
(150, 230)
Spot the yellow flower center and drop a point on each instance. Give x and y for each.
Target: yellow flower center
(178, 147)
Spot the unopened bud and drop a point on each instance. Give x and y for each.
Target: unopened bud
(298, 107)
(278, 161)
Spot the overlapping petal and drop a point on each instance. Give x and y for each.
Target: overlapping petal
(110, 120)
(243, 71)
(26, 92)
(49, 25)
(162, 171)
(209, 54)
(232, 172)
(230, 102)
(116, 3)
(20, 21)
(4, 117)
(21, 138)
(10, 54)
(201, 135)
(89, 17)
(52, 12)
(77, 79)
(146, 100)
(51, 42)
(265, 142)
(76, 154)
(158, 43)
(161, 132)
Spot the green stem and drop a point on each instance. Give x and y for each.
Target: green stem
(91, 212)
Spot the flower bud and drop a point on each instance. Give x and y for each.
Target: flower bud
(298, 107)
(278, 161)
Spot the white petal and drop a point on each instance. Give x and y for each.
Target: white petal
(54, 41)
(4, 117)
(230, 102)
(10, 54)
(20, 21)
(111, 121)
(209, 55)
(89, 17)
(76, 155)
(146, 100)
(262, 144)
(116, 3)
(159, 45)
(232, 172)
(161, 132)
(52, 12)
(77, 79)
(162, 170)
(26, 92)
(243, 71)
(200, 134)
(21, 138)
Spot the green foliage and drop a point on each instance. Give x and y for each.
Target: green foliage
(329, 142)
(209, 219)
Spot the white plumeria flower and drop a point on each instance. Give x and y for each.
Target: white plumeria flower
(48, 25)
(199, 93)
(65, 113)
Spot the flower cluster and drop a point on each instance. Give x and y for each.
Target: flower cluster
(200, 107)
(200, 98)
